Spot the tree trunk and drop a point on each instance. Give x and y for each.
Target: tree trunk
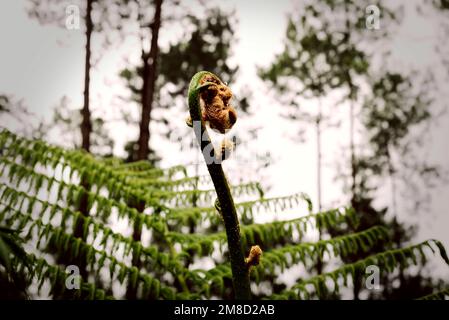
(318, 146)
(131, 291)
(354, 200)
(392, 172)
(352, 148)
(86, 125)
(86, 128)
(319, 265)
(149, 80)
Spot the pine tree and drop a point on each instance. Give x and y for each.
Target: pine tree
(326, 50)
(206, 44)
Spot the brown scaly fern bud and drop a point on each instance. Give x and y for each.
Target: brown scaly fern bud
(255, 254)
(216, 108)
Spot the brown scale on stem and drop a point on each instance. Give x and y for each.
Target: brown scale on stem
(255, 254)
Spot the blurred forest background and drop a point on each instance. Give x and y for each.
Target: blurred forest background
(329, 103)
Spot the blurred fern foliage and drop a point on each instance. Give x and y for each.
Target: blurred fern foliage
(183, 253)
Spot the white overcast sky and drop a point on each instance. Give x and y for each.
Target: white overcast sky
(40, 64)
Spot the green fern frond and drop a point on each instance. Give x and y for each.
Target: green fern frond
(267, 235)
(41, 191)
(308, 253)
(388, 260)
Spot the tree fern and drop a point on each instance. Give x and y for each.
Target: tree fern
(40, 189)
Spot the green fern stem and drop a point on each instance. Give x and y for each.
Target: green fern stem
(240, 272)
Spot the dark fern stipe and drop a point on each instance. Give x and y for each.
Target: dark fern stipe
(201, 82)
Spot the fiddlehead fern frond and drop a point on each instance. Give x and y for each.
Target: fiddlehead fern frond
(198, 85)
